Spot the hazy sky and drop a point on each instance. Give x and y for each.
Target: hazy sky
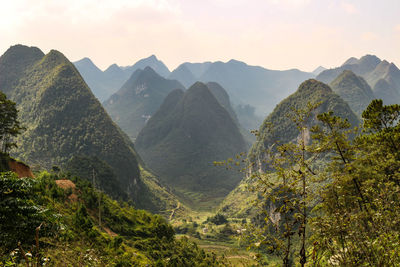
(276, 34)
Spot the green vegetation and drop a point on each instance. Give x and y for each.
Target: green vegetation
(184, 137)
(138, 99)
(98, 172)
(9, 124)
(80, 225)
(338, 211)
(354, 90)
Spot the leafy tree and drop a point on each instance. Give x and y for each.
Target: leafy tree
(357, 222)
(286, 192)
(217, 219)
(20, 215)
(9, 124)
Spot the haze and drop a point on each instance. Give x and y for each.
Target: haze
(276, 34)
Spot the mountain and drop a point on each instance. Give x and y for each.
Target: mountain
(63, 118)
(138, 99)
(318, 70)
(152, 62)
(184, 75)
(184, 137)
(102, 84)
(372, 69)
(354, 90)
(278, 127)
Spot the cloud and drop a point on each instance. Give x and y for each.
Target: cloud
(349, 8)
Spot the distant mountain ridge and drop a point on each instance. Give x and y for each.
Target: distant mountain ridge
(254, 85)
(104, 83)
(382, 76)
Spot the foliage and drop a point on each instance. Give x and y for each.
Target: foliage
(287, 194)
(9, 124)
(98, 172)
(123, 236)
(20, 213)
(357, 221)
(217, 219)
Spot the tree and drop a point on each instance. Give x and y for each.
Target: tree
(9, 124)
(20, 215)
(287, 193)
(357, 221)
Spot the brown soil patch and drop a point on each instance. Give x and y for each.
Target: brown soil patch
(65, 184)
(21, 169)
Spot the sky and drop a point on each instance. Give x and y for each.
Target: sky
(275, 34)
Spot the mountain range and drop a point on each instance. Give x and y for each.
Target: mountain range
(104, 83)
(64, 119)
(247, 85)
(383, 77)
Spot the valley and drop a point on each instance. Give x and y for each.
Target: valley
(211, 164)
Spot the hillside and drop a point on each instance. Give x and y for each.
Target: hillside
(183, 138)
(63, 118)
(278, 127)
(138, 99)
(77, 224)
(354, 90)
(372, 69)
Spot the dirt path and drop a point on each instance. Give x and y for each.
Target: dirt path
(173, 211)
